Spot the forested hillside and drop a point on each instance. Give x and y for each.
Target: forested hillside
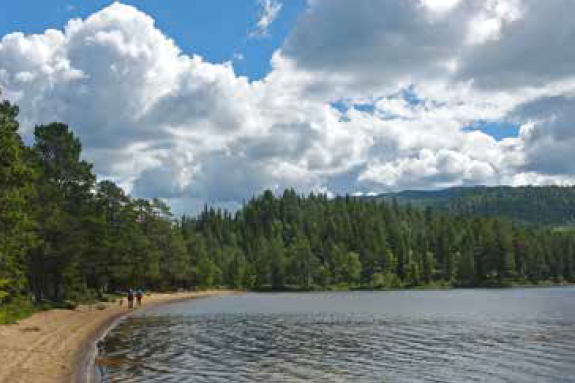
(536, 205)
(66, 237)
(314, 241)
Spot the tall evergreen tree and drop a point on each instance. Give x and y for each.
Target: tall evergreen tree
(16, 191)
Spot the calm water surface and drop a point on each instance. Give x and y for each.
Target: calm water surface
(516, 335)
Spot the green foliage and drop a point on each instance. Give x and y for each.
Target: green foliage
(298, 242)
(64, 238)
(16, 191)
(15, 310)
(552, 206)
(62, 211)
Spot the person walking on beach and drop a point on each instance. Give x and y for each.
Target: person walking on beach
(139, 296)
(130, 299)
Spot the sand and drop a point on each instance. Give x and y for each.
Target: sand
(56, 346)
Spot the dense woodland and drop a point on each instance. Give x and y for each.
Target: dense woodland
(64, 236)
(313, 241)
(533, 205)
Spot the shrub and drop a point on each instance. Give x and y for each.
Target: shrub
(66, 305)
(15, 310)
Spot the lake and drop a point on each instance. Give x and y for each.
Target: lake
(491, 335)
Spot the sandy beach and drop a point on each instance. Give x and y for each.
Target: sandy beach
(54, 346)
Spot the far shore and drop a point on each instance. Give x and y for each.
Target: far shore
(431, 287)
(57, 346)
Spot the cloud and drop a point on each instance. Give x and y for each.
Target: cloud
(470, 60)
(380, 107)
(529, 51)
(160, 122)
(379, 45)
(270, 10)
(444, 168)
(375, 46)
(548, 136)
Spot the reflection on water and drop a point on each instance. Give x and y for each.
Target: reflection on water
(520, 335)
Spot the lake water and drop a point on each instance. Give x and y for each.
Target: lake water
(514, 335)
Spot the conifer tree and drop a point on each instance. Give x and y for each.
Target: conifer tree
(16, 190)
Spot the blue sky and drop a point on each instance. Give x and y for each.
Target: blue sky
(217, 30)
(497, 129)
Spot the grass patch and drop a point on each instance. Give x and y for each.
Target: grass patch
(14, 311)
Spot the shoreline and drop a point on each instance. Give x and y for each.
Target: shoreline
(415, 288)
(59, 346)
(86, 360)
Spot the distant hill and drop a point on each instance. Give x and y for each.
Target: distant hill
(537, 205)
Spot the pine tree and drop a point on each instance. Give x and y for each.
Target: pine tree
(64, 196)
(16, 190)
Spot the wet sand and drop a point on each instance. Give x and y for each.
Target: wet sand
(56, 346)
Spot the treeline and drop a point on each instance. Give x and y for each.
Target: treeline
(315, 242)
(532, 205)
(64, 236)
(537, 205)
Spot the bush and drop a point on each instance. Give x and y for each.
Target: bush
(66, 305)
(15, 310)
(70, 305)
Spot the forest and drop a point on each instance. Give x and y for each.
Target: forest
(551, 206)
(67, 237)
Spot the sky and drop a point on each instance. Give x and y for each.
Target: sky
(197, 101)
(217, 30)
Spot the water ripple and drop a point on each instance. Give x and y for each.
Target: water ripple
(383, 337)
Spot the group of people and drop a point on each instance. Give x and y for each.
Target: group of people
(131, 295)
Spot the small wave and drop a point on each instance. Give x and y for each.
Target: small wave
(284, 343)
